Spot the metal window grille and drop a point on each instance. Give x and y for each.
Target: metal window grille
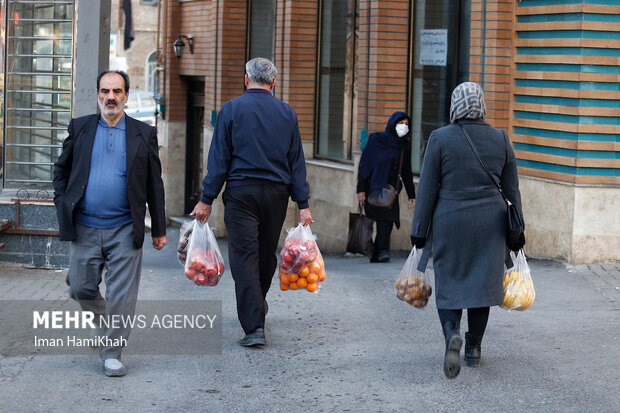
(36, 89)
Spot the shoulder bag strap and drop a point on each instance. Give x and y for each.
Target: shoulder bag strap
(473, 148)
(400, 167)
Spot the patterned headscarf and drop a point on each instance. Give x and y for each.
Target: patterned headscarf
(467, 102)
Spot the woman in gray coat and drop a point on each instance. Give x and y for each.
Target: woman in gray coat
(461, 216)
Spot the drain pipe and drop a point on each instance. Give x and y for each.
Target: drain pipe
(484, 41)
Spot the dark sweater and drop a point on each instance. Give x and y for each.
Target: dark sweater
(256, 140)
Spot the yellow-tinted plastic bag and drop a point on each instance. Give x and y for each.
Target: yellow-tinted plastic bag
(519, 293)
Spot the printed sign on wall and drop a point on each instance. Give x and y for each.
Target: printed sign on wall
(433, 47)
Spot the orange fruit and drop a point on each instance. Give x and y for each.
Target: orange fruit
(312, 278)
(315, 267)
(304, 272)
(283, 287)
(312, 287)
(284, 278)
(302, 282)
(293, 286)
(292, 278)
(322, 275)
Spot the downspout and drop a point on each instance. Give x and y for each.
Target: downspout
(484, 40)
(364, 133)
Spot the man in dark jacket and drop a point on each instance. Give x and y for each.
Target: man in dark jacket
(108, 171)
(256, 149)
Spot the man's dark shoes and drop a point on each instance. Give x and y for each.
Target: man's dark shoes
(472, 349)
(254, 339)
(383, 256)
(454, 342)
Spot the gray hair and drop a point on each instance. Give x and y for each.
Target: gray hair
(261, 71)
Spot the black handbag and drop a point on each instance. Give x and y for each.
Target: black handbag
(360, 233)
(385, 197)
(514, 221)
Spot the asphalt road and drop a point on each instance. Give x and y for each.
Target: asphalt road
(351, 347)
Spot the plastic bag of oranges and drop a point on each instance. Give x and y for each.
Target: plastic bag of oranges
(302, 266)
(413, 286)
(519, 293)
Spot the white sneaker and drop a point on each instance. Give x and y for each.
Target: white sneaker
(114, 368)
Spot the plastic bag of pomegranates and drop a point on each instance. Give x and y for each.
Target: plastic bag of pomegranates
(301, 265)
(184, 234)
(204, 264)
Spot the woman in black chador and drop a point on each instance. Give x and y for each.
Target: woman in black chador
(378, 168)
(463, 215)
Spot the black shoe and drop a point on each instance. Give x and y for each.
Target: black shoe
(454, 342)
(384, 256)
(254, 339)
(473, 349)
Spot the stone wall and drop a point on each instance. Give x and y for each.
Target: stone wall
(571, 223)
(39, 251)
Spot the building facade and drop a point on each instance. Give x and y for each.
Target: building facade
(47, 76)
(550, 70)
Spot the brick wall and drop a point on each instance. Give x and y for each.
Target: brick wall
(491, 56)
(382, 65)
(296, 52)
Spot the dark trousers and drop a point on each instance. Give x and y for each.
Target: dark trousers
(476, 318)
(254, 215)
(382, 239)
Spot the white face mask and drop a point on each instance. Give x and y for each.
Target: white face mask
(401, 129)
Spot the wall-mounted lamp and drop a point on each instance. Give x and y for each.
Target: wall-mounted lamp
(179, 45)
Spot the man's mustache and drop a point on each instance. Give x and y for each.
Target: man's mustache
(111, 102)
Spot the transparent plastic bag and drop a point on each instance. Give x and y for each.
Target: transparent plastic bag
(204, 264)
(302, 265)
(184, 233)
(519, 293)
(413, 286)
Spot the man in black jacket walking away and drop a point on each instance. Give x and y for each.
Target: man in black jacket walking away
(256, 149)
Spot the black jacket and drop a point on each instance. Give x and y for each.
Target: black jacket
(144, 183)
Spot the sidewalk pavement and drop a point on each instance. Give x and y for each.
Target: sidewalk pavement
(351, 347)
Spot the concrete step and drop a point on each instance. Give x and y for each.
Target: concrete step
(178, 221)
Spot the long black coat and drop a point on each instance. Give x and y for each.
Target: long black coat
(465, 213)
(391, 214)
(144, 183)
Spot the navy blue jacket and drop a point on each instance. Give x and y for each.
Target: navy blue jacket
(256, 139)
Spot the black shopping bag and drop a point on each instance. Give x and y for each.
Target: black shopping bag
(360, 233)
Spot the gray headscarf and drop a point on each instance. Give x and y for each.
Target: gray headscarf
(467, 102)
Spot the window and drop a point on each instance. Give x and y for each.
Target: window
(149, 2)
(262, 18)
(149, 72)
(37, 90)
(436, 25)
(335, 72)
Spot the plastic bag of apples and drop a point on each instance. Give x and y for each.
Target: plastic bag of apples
(301, 266)
(204, 264)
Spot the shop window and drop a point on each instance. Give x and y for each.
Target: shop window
(37, 90)
(261, 30)
(335, 79)
(439, 62)
(149, 2)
